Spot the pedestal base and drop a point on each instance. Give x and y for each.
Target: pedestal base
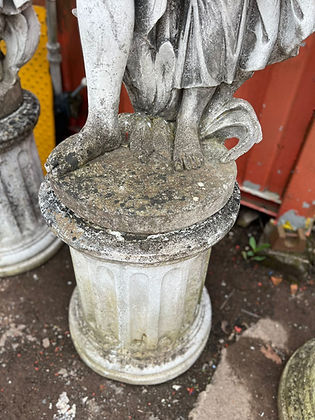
(118, 365)
(29, 255)
(140, 314)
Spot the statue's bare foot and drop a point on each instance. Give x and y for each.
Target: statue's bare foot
(187, 151)
(81, 148)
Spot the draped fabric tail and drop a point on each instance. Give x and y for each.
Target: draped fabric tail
(297, 22)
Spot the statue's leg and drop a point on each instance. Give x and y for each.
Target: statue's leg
(187, 149)
(106, 30)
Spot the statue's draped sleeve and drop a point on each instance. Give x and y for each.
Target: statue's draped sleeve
(297, 22)
(276, 29)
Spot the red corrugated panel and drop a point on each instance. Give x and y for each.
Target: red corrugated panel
(285, 109)
(299, 197)
(288, 102)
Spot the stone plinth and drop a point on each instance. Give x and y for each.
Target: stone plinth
(140, 324)
(25, 240)
(140, 313)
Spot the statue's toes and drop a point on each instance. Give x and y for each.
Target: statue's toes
(54, 162)
(188, 161)
(178, 161)
(51, 162)
(57, 165)
(196, 160)
(192, 160)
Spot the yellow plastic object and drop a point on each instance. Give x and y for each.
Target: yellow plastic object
(287, 226)
(35, 77)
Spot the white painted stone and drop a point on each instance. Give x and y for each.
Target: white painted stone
(140, 324)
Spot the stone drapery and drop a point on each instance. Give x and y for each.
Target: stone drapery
(216, 38)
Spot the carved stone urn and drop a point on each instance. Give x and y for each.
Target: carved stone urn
(25, 240)
(141, 199)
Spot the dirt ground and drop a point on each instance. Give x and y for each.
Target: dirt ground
(42, 377)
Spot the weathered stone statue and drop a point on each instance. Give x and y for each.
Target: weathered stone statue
(139, 226)
(178, 59)
(25, 241)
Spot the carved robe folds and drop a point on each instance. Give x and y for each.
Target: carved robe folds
(209, 41)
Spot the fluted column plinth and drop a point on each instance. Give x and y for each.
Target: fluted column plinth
(140, 324)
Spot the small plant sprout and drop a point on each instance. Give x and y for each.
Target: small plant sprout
(253, 253)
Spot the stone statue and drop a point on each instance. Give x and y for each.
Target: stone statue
(179, 60)
(19, 28)
(140, 229)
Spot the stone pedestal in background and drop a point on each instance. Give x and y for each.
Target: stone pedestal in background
(296, 395)
(140, 237)
(25, 240)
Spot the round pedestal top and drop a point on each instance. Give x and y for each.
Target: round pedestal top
(134, 248)
(126, 193)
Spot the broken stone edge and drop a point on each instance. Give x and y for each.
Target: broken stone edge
(124, 247)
